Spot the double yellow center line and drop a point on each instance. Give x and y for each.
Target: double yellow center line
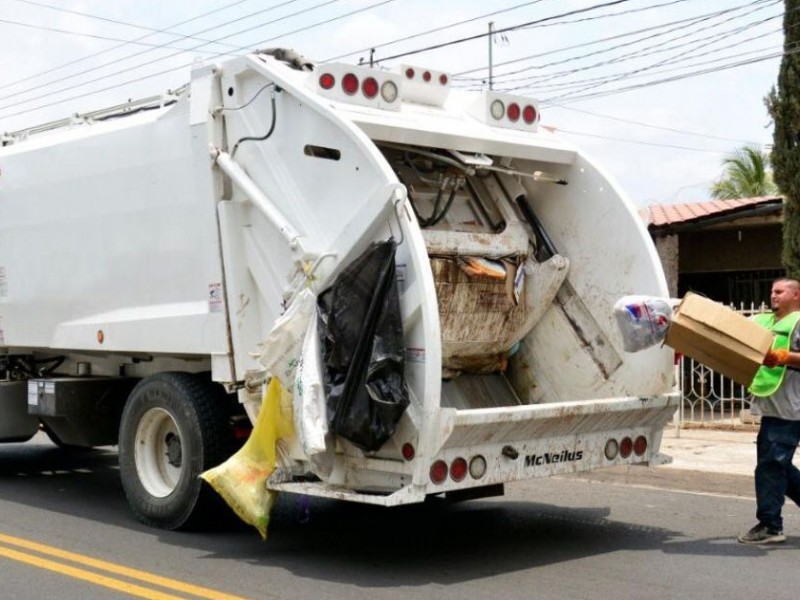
(20, 549)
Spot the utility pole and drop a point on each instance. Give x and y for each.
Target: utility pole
(371, 57)
(491, 35)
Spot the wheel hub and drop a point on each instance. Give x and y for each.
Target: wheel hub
(174, 452)
(158, 452)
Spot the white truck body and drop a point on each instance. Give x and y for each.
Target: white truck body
(152, 238)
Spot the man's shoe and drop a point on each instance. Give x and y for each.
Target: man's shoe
(761, 534)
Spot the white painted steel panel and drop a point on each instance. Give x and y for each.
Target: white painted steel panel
(111, 227)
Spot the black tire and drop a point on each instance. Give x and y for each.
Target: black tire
(161, 408)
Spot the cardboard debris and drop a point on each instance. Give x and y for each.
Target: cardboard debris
(718, 337)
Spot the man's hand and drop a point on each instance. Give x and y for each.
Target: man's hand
(775, 358)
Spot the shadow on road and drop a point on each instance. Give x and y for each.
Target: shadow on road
(435, 542)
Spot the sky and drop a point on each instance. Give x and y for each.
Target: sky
(659, 92)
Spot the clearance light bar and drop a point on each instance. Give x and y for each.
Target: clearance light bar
(424, 86)
(358, 85)
(507, 110)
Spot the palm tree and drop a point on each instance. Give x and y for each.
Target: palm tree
(747, 175)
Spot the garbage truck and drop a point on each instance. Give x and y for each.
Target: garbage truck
(150, 251)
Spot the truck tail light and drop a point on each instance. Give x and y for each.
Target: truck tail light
(625, 447)
(611, 449)
(419, 85)
(458, 469)
(498, 109)
(438, 472)
(370, 87)
(508, 111)
(408, 451)
(326, 81)
(477, 467)
(389, 91)
(350, 84)
(640, 445)
(529, 114)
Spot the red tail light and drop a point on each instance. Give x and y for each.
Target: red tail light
(350, 84)
(513, 112)
(426, 76)
(409, 73)
(529, 114)
(438, 472)
(625, 447)
(408, 451)
(443, 79)
(640, 445)
(326, 81)
(370, 87)
(458, 469)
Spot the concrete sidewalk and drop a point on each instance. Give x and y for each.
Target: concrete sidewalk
(715, 451)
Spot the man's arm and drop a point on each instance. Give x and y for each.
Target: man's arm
(782, 357)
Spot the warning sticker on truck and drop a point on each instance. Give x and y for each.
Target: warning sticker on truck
(214, 297)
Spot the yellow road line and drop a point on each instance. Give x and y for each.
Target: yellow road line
(109, 567)
(109, 582)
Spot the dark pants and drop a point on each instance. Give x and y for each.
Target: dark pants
(776, 476)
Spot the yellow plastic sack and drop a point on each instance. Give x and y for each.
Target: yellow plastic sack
(241, 480)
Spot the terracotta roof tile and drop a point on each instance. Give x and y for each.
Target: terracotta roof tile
(661, 215)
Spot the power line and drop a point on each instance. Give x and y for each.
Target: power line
(506, 29)
(663, 45)
(170, 70)
(653, 83)
(95, 36)
(151, 30)
(93, 55)
(608, 39)
(150, 62)
(331, 20)
(683, 68)
(631, 141)
(436, 30)
(116, 62)
(649, 125)
(629, 74)
(541, 82)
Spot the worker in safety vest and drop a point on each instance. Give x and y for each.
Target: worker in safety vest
(776, 391)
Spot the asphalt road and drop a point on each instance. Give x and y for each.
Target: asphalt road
(621, 534)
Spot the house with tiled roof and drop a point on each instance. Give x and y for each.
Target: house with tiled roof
(728, 250)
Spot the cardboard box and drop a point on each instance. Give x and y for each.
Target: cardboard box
(718, 337)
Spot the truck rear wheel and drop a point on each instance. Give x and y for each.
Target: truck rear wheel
(173, 428)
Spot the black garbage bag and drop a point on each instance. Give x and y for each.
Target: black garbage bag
(362, 349)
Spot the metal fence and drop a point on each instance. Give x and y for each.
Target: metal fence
(709, 398)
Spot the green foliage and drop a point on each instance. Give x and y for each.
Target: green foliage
(746, 175)
(783, 104)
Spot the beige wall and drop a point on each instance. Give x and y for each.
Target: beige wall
(667, 248)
